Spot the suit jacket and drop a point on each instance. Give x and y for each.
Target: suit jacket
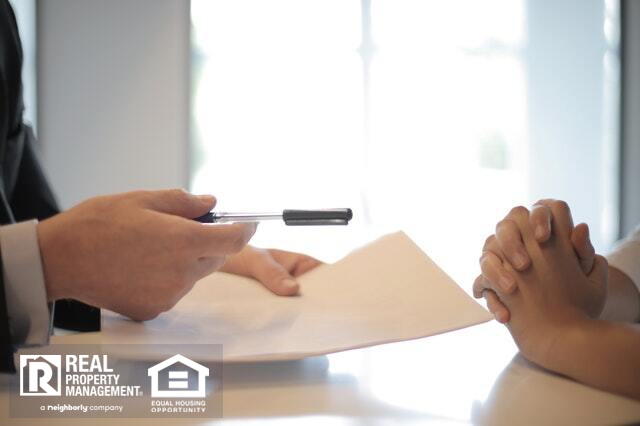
(24, 190)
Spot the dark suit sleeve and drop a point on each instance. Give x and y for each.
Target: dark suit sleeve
(24, 190)
(6, 348)
(31, 196)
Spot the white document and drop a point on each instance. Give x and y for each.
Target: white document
(385, 292)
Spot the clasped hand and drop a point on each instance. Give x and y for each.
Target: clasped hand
(541, 276)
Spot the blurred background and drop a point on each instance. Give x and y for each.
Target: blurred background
(433, 117)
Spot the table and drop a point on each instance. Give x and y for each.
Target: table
(470, 376)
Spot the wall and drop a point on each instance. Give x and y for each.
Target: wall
(573, 148)
(25, 11)
(113, 95)
(630, 206)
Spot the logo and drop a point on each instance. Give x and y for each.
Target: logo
(178, 377)
(37, 372)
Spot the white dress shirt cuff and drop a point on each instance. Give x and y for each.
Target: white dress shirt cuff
(626, 257)
(25, 293)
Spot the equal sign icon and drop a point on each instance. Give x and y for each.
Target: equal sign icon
(178, 379)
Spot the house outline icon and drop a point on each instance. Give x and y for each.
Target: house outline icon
(203, 372)
(51, 361)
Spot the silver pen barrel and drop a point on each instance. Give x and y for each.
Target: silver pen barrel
(225, 217)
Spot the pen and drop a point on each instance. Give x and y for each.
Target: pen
(290, 217)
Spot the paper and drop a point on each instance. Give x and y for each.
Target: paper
(384, 292)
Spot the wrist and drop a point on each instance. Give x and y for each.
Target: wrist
(622, 301)
(571, 340)
(546, 342)
(48, 254)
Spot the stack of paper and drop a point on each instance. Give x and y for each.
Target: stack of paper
(385, 292)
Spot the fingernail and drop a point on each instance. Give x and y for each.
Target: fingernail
(520, 260)
(506, 282)
(208, 199)
(539, 232)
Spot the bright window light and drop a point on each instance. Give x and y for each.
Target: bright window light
(416, 114)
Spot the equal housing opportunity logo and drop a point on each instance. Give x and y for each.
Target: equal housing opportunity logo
(178, 377)
(178, 382)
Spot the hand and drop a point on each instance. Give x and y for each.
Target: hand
(507, 244)
(554, 295)
(275, 269)
(136, 253)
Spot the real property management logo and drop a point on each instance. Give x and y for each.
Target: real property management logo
(84, 375)
(39, 372)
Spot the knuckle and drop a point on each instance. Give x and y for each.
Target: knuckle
(479, 285)
(489, 242)
(178, 193)
(140, 193)
(560, 206)
(518, 211)
(540, 213)
(501, 225)
(139, 196)
(485, 263)
(506, 232)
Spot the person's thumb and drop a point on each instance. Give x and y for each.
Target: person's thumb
(600, 271)
(583, 247)
(274, 277)
(178, 202)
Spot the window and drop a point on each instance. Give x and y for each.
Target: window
(25, 11)
(434, 117)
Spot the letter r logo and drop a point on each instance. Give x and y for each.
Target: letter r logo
(37, 372)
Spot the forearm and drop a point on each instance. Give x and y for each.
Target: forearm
(602, 354)
(623, 298)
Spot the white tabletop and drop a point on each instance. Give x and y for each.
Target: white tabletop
(470, 376)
